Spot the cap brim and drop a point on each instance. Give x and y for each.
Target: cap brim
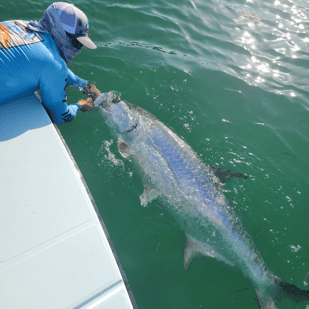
(86, 42)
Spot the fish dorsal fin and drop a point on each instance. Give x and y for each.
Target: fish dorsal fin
(124, 148)
(225, 175)
(195, 248)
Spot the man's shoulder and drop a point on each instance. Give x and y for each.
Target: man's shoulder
(51, 46)
(47, 52)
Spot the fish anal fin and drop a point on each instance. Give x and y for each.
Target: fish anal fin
(225, 175)
(124, 148)
(193, 249)
(190, 251)
(148, 195)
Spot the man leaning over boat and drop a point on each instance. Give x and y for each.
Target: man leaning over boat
(33, 56)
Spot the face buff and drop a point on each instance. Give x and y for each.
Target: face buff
(51, 24)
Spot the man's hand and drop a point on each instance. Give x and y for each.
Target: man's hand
(91, 91)
(87, 105)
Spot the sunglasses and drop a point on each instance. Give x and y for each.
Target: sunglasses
(74, 41)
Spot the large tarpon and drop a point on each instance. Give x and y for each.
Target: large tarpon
(191, 192)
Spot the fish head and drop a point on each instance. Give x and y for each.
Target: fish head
(119, 116)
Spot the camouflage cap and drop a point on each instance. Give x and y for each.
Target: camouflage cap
(75, 22)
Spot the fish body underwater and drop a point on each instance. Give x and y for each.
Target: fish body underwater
(191, 192)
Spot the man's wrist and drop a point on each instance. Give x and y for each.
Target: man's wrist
(91, 91)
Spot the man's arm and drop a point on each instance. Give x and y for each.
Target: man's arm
(75, 81)
(88, 89)
(53, 85)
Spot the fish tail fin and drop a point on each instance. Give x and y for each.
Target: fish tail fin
(268, 298)
(292, 292)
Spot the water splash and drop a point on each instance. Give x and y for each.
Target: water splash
(110, 156)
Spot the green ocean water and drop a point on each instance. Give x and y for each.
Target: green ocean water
(230, 78)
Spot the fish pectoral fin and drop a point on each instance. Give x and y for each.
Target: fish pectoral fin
(225, 175)
(148, 195)
(193, 249)
(124, 148)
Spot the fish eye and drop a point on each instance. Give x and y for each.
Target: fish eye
(116, 100)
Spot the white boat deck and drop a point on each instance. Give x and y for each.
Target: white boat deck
(55, 250)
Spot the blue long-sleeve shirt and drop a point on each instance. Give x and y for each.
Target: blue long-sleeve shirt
(30, 61)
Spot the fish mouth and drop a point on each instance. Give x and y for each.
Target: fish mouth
(106, 100)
